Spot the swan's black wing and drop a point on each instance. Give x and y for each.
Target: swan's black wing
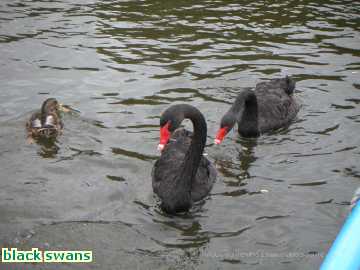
(204, 180)
(276, 105)
(169, 166)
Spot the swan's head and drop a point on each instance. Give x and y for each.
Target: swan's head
(170, 120)
(226, 124)
(245, 101)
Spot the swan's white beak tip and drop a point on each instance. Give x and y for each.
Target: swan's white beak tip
(161, 147)
(217, 141)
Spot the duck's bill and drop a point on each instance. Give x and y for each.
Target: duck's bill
(66, 108)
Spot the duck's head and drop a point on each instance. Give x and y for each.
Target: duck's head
(50, 118)
(50, 107)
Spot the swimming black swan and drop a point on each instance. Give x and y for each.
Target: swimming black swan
(269, 107)
(182, 175)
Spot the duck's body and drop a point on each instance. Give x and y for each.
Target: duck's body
(45, 123)
(270, 106)
(182, 175)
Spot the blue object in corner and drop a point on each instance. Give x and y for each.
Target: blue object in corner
(344, 253)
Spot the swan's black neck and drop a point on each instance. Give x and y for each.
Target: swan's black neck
(178, 198)
(196, 149)
(248, 124)
(245, 109)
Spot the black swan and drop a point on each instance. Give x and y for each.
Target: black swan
(269, 107)
(182, 175)
(45, 123)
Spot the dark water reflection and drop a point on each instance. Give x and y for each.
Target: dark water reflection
(279, 199)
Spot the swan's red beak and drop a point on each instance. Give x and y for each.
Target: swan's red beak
(221, 135)
(164, 136)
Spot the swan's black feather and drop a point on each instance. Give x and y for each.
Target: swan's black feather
(168, 167)
(276, 105)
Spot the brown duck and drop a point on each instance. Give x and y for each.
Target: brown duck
(45, 123)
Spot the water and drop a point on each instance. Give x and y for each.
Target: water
(279, 200)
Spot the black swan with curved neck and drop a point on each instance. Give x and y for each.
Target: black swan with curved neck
(182, 175)
(269, 107)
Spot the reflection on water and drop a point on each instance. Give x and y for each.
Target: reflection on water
(49, 148)
(121, 63)
(245, 158)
